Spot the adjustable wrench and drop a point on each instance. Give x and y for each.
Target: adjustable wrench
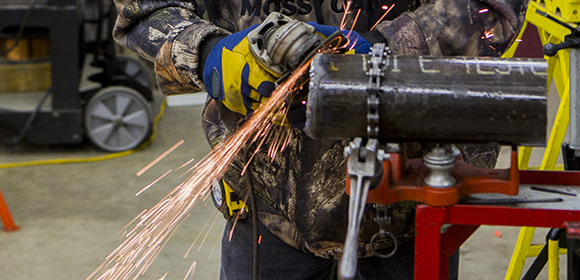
(363, 165)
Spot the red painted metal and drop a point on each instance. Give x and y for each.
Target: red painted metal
(442, 226)
(459, 234)
(570, 178)
(403, 180)
(572, 230)
(432, 247)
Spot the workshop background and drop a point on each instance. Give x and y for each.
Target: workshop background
(71, 192)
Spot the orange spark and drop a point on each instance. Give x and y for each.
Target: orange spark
(238, 217)
(159, 158)
(353, 44)
(346, 11)
(155, 226)
(191, 270)
(198, 235)
(132, 221)
(208, 231)
(213, 248)
(383, 16)
(187, 163)
(353, 24)
(152, 183)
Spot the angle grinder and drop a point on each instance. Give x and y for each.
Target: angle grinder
(282, 44)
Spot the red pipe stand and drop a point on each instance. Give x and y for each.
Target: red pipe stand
(442, 230)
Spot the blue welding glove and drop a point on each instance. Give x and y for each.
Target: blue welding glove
(233, 76)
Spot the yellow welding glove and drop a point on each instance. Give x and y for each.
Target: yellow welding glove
(233, 76)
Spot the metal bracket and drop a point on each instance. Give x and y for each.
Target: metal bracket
(570, 41)
(383, 218)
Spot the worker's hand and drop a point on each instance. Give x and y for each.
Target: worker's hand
(233, 76)
(236, 78)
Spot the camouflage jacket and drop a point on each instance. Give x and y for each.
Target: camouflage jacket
(301, 192)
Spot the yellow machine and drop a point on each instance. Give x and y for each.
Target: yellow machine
(556, 21)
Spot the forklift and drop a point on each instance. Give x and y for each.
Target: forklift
(115, 116)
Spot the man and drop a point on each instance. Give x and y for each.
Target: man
(302, 206)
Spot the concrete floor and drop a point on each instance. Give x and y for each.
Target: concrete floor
(70, 214)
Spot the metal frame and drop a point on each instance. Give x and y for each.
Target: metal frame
(63, 123)
(65, 120)
(442, 230)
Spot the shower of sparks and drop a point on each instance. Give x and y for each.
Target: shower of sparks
(347, 10)
(159, 158)
(132, 221)
(483, 11)
(278, 143)
(388, 9)
(155, 226)
(152, 183)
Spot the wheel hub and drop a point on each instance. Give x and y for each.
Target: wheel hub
(117, 121)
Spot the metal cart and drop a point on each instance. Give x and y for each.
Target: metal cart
(114, 116)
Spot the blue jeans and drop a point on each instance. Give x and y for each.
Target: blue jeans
(280, 261)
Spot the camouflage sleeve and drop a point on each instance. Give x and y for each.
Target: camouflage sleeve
(168, 33)
(456, 27)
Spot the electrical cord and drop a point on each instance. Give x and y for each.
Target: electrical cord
(247, 180)
(16, 139)
(93, 159)
(255, 222)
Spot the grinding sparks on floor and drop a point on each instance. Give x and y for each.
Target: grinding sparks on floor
(154, 226)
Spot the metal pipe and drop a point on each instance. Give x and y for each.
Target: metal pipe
(443, 99)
